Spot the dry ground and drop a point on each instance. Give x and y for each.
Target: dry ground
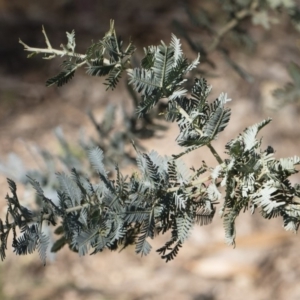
(264, 265)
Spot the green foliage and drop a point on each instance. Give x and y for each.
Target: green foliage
(161, 74)
(164, 195)
(31, 237)
(103, 58)
(66, 75)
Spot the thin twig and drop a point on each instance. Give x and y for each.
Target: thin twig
(55, 52)
(231, 24)
(191, 184)
(215, 153)
(46, 38)
(75, 208)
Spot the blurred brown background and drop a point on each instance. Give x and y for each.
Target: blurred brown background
(264, 265)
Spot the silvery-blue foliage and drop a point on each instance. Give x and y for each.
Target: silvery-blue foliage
(164, 195)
